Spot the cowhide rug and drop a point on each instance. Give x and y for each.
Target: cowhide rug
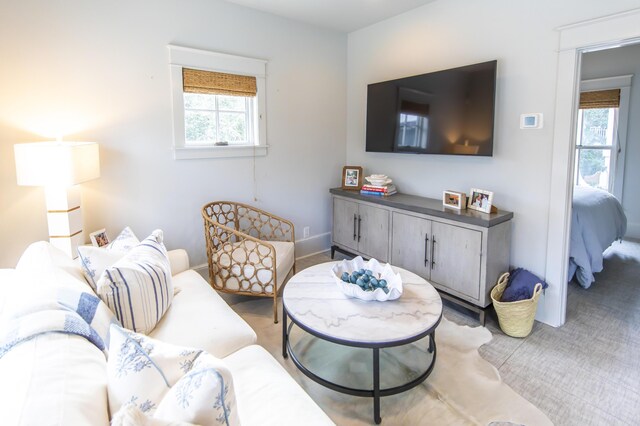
(463, 388)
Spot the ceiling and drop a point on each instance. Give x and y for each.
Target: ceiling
(339, 15)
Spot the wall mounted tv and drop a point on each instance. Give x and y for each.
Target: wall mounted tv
(447, 112)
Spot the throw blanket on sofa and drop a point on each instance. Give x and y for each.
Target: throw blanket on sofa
(63, 310)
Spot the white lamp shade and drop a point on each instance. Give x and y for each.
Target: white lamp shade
(56, 163)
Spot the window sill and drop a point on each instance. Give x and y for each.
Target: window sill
(191, 153)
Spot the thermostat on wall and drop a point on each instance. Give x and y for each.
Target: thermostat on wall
(531, 121)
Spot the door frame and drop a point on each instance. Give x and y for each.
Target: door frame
(601, 33)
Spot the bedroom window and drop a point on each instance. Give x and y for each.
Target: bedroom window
(218, 104)
(596, 147)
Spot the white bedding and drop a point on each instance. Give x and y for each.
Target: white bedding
(597, 221)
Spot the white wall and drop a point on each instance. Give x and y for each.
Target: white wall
(614, 62)
(99, 71)
(452, 33)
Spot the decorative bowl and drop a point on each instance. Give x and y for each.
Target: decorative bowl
(394, 282)
(378, 180)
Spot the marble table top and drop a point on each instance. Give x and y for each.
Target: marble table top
(313, 299)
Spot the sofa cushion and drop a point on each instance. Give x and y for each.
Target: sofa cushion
(54, 378)
(257, 376)
(138, 288)
(169, 382)
(7, 280)
(49, 266)
(244, 275)
(198, 317)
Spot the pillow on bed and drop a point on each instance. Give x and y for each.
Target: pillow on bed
(521, 285)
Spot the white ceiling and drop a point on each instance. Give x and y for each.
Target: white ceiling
(338, 15)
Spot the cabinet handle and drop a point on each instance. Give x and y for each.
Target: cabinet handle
(354, 227)
(433, 252)
(359, 220)
(426, 244)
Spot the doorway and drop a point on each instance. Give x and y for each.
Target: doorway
(607, 32)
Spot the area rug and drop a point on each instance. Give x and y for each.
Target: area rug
(463, 388)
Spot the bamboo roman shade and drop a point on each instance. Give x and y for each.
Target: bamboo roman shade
(600, 99)
(218, 83)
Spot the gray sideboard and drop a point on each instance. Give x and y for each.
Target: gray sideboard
(462, 253)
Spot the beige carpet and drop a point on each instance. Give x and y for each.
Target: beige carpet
(463, 388)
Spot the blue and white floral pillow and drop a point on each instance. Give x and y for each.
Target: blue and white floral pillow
(95, 260)
(138, 288)
(168, 382)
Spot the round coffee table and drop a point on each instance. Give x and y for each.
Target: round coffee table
(337, 332)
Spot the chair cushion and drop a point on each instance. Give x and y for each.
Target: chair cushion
(198, 317)
(257, 376)
(138, 288)
(246, 277)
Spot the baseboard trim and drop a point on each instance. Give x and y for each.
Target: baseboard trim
(313, 245)
(633, 230)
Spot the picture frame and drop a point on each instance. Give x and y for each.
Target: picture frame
(99, 238)
(480, 200)
(352, 178)
(454, 200)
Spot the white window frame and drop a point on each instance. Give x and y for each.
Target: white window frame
(184, 57)
(618, 154)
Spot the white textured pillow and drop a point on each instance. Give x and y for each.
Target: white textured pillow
(167, 382)
(95, 260)
(138, 287)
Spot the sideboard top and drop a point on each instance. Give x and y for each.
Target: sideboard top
(429, 206)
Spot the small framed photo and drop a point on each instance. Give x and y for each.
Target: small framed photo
(480, 200)
(352, 177)
(99, 238)
(454, 200)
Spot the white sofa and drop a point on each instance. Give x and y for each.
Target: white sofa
(58, 378)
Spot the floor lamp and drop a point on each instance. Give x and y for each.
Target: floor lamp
(59, 167)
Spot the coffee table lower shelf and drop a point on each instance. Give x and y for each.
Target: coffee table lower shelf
(375, 392)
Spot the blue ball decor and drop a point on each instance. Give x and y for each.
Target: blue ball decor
(365, 279)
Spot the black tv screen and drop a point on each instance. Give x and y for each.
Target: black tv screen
(445, 112)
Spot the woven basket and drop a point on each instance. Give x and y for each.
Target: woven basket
(515, 318)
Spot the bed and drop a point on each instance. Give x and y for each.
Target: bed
(597, 221)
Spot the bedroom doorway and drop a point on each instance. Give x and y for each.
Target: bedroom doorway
(601, 33)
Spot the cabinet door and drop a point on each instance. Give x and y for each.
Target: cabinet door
(410, 243)
(374, 232)
(345, 217)
(456, 258)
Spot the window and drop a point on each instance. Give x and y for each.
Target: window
(595, 144)
(601, 133)
(218, 104)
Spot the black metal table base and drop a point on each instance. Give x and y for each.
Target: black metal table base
(376, 393)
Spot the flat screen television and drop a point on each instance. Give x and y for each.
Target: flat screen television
(447, 112)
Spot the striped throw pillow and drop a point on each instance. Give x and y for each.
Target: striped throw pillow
(138, 287)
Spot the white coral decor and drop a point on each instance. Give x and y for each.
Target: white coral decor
(394, 282)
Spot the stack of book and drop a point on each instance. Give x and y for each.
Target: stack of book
(381, 191)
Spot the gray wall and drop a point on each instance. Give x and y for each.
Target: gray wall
(610, 63)
(445, 34)
(99, 71)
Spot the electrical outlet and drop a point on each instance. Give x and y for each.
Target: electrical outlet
(305, 232)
